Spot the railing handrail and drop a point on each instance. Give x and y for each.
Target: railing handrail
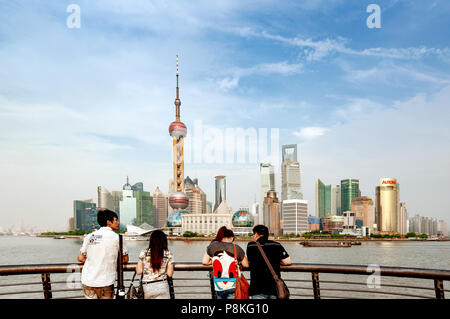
(441, 274)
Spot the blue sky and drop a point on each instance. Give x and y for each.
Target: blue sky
(86, 107)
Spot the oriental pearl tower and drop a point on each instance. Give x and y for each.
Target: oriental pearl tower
(178, 131)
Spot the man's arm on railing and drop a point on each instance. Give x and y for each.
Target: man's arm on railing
(81, 258)
(286, 261)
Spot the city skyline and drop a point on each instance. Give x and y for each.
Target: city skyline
(85, 107)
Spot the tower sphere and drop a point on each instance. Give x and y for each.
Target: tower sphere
(177, 129)
(178, 200)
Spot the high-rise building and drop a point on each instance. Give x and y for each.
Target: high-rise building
(290, 174)
(267, 179)
(160, 208)
(336, 200)
(85, 215)
(105, 199)
(387, 204)
(221, 190)
(333, 224)
(442, 229)
(363, 209)
(295, 216)
(128, 207)
(138, 187)
(323, 199)
(403, 219)
(144, 208)
(349, 191)
(271, 213)
(255, 211)
(195, 199)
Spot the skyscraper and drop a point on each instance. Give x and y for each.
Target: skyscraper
(195, 199)
(349, 191)
(363, 209)
(336, 200)
(403, 219)
(128, 207)
(144, 207)
(387, 205)
(295, 216)
(85, 215)
(271, 213)
(160, 208)
(105, 199)
(221, 190)
(267, 179)
(323, 199)
(290, 173)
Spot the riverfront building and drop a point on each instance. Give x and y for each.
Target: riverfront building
(290, 173)
(205, 223)
(295, 216)
(387, 204)
(314, 223)
(271, 213)
(160, 203)
(323, 199)
(349, 191)
(267, 174)
(364, 211)
(85, 215)
(333, 224)
(336, 200)
(403, 219)
(221, 190)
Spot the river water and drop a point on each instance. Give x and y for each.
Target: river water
(18, 250)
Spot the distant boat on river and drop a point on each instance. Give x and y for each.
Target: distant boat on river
(327, 244)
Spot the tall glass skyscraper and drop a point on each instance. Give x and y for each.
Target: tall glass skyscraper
(85, 215)
(221, 190)
(267, 179)
(290, 174)
(349, 191)
(323, 199)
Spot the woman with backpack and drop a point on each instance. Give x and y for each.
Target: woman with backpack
(221, 254)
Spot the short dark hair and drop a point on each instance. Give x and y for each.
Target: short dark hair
(261, 230)
(104, 215)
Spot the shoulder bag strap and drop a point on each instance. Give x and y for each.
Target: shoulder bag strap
(267, 261)
(236, 261)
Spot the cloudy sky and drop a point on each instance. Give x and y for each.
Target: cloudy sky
(83, 107)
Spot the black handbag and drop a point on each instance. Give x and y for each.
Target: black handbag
(282, 289)
(136, 292)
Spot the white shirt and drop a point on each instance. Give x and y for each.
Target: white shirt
(101, 249)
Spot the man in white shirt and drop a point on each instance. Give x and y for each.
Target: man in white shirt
(99, 254)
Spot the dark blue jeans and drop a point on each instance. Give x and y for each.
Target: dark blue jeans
(225, 294)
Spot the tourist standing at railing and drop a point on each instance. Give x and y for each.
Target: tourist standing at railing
(262, 283)
(99, 254)
(156, 263)
(220, 253)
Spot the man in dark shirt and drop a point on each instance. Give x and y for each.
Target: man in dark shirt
(262, 283)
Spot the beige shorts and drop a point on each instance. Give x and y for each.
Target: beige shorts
(98, 292)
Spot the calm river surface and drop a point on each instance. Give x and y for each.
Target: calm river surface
(17, 250)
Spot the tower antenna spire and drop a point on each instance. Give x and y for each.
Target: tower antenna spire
(177, 99)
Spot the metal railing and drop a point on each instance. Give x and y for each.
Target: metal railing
(60, 281)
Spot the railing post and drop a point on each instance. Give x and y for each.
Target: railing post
(439, 289)
(316, 287)
(46, 285)
(171, 290)
(211, 282)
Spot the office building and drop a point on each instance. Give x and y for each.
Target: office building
(295, 216)
(323, 199)
(349, 225)
(364, 211)
(403, 219)
(205, 223)
(442, 229)
(387, 204)
(336, 200)
(221, 190)
(314, 223)
(267, 175)
(290, 173)
(144, 208)
(160, 203)
(271, 213)
(85, 215)
(195, 199)
(333, 224)
(349, 191)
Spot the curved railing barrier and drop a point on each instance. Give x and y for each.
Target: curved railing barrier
(420, 283)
